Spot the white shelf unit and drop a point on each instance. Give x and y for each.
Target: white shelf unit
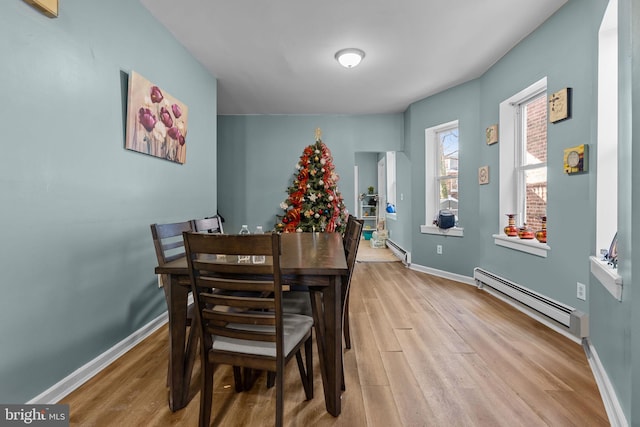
(369, 210)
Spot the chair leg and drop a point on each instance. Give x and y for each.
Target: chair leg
(306, 375)
(345, 324)
(191, 352)
(280, 396)
(249, 377)
(271, 379)
(206, 394)
(237, 378)
(308, 353)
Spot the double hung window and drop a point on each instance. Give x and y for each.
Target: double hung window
(442, 163)
(523, 164)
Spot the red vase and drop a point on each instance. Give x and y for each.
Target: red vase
(541, 235)
(525, 232)
(511, 230)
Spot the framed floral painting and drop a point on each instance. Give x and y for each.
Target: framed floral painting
(156, 121)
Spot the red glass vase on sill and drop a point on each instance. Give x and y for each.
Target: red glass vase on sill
(511, 230)
(525, 232)
(541, 235)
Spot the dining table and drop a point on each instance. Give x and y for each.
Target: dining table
(312, 259)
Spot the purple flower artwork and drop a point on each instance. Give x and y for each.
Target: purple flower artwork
(156, 122)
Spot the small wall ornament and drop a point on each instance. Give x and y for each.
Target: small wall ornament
(560, 105)
(48, 7)
(483, 175)
(491, 134)
(576, 159)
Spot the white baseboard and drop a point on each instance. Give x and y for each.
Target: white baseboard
(83, 374)
(608, 394)
(445, 274)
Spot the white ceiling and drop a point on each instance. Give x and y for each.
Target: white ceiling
(277, 56)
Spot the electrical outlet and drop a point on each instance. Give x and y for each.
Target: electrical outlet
(581, 291)
(439, 249)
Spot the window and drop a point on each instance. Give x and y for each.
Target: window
(447, 165)
(607, 151)
(523, 164)
(391, 177)
(531, 167)
(442, 162)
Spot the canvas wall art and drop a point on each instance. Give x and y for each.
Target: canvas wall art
(156, 121)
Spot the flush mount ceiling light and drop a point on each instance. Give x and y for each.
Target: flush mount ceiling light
(350, 57)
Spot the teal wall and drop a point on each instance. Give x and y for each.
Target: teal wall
(257, 156)
(367, 163)
(460, 255)
(564, 50)
(77, 257)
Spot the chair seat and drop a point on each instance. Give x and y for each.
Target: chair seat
(296, 326)
(297, 302)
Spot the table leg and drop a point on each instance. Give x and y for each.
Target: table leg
(318, 321)
(329, 339)
(178, 384)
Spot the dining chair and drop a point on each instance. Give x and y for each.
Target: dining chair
(167, 240)
(210, 225)
(297, 300)
(169, 245)
(245, 330)
(351, 241)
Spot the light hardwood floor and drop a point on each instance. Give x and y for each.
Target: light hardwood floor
(426, 351)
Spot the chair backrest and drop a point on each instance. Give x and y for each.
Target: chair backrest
(348, 235)
(167, 240)
(237, 300)
(209, 225)
(351, 241)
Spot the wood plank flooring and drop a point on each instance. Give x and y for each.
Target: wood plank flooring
(426, 351)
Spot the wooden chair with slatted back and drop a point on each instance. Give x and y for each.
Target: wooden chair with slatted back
(208, 225)
(351, 240)
(169, 245)
(167, 240)
(244, 330)
(297, 300)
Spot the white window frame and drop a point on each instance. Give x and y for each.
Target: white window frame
(432, 175)
(509, 197)
(521, 166)
(607, 151)
(391, 182)
(391, 177)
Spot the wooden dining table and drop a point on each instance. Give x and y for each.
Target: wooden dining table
(315, 260)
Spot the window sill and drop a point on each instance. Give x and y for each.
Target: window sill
(607, 276)
(524, 245)
(432, 229)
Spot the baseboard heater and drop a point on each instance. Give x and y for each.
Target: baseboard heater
(399, 251)
(575, 321)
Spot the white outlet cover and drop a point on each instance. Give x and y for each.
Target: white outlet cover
(581, 291)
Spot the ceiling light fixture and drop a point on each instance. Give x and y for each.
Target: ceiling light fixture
(350, 57)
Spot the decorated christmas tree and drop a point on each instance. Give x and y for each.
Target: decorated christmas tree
(314, 202)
